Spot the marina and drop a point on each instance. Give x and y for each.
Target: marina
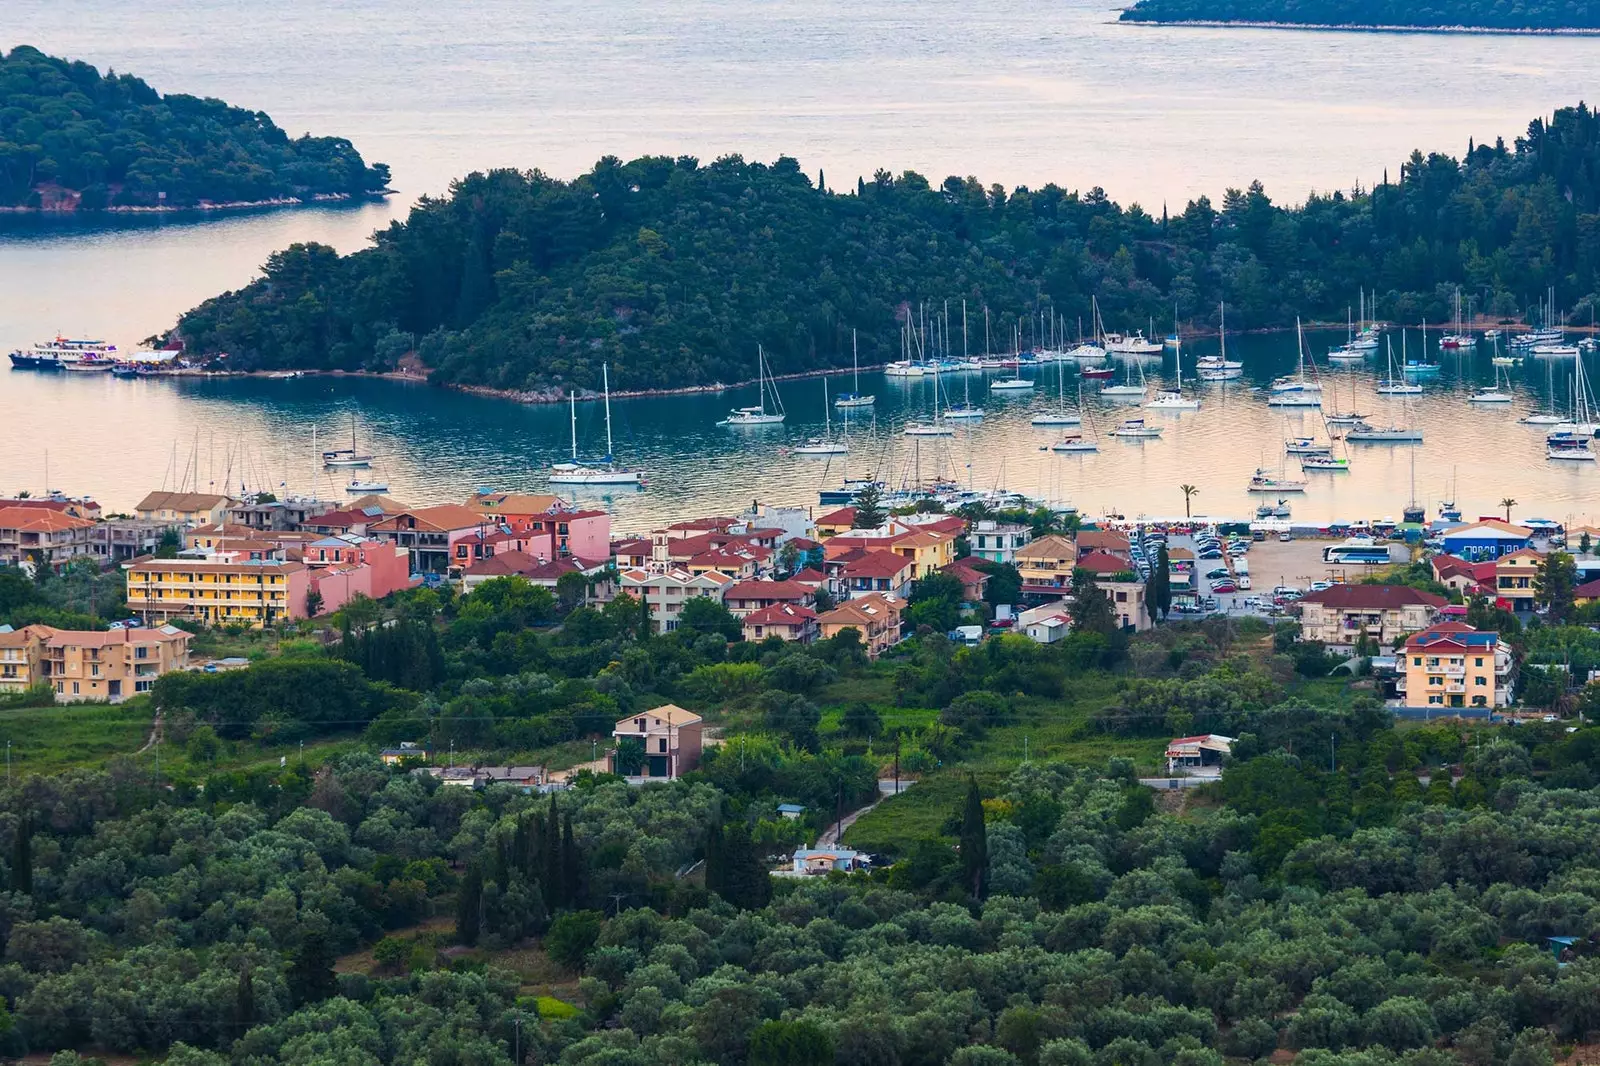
(429, 441)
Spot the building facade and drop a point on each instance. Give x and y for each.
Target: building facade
(1344, 615)
(90, 665)
(218, 590)
(1452, 666)
(671, 737)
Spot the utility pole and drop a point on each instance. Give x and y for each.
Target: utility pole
(896, 762)
(8, 764)
(1330, 753)
(1025, 749)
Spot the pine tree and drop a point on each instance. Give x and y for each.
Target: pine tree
(244, 1001)
(869, 508)
(22, 857)
(974, 842)
(469, 906)
(746, 881)
(1091, 607)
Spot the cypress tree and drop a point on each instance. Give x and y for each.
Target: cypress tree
(538, 914)
(311, 978)
(571, 866)
(22, 857)
(974, 842)
(552, 880)
(469, 906)
(244, 1002)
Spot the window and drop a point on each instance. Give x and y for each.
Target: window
(74, 688)
(1435, 699)
(1480, 681)
(662, 745)
(1478, 661)
(1417, 661)
(94, 670)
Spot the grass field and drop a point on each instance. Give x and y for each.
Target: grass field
(47, 740)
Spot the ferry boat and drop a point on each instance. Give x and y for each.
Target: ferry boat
(62, 353)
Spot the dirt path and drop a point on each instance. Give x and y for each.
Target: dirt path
(830, 836)
(155, 735)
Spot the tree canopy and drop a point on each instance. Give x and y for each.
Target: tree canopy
(117, 141)
(673, 271)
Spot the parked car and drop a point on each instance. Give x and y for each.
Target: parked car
(1224, 587)
(1217, 572)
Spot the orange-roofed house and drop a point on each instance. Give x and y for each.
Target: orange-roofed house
(1046, 566)
(746, 597)
(1451, 665)
(973, 580)
(835, 522)
(875, 616)
(41, 536)
(186, 508)
(671, 739)
(787, 621)
(90, 665)
(430, 533)
(861, 573)
(1515, 575)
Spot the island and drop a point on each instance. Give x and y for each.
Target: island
(72, 138)
(1537, 16)
(671, 272)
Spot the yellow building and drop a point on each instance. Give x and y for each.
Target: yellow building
(185, 508)
(85, 665)
(1515, 576)
(218, 591)
(1452, 665)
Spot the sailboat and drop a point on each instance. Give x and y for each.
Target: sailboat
(825, 444)
(854, 399)
(966, 408)
(1297, 390)
(1362, 432)
(1128, 388)
(938, 427)
(1547, 417)
(1460, 339)
(1091, 352)
(1265, 481)
(346, 457)
(1074, 440)
(1582, 423)
(606, 471)
(1296, 382)
(1173, 399)
(1417, 368)
(1345, 418)
(1493, 394)
(759, 415)
(1391, 385)
(1219, 367)
(1136, 428)
(1060, 416)
(1175, 338)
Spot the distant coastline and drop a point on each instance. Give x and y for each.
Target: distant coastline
(1357, 27)
(66, 207)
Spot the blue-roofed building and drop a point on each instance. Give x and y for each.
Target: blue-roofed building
(1488, 539)
(1451, 667)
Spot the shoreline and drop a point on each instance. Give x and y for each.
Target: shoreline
(555, 394)
(204, 206)
(1325, 27)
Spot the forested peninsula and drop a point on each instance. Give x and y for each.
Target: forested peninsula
(672, 271)
(1543, 15)
(72, 138)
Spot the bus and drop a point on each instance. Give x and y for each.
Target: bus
(1360, 550)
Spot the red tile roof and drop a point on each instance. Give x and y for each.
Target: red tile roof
(1372, 597)
(40, 520)
(781, 614)
(1101, 562)
(770, 590)
(844, 516)
(874, 564)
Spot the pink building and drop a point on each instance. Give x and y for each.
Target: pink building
(347, 566)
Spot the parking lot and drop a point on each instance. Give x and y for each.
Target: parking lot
(1271, 563)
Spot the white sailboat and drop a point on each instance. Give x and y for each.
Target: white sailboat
(825, 444)
(1296, 382)
(1392, 385)
(938, 427)
(1128, 388)
(346, 458)
(1060, 416)
(759, 415)
(1136, 428)
(1091, 352)
(1173, 399)
(856, 398)
(606, 471)
(1582, 423)
(1547, 417)
(1219, 367)
(1494, 394)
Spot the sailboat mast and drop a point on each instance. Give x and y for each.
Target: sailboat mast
(963, 331)
(572, 404)
(605, 377)
(855, 363)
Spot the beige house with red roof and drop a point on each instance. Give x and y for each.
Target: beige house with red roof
(670, 736)
(787, 621)
(874, 615)
(836, 522)
(89, 665)
(745, 597)
(38, 535)
(861, 573)
(666, 591)
(1342, 615)
(1046, 565)
(1452, 666)
(1516, 576)
(185, 508)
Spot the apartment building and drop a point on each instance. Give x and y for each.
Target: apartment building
(1516, 576)
(86, 665)
(1343, 615)
(875, 616)
(1452, 665)
(666, 591)
(998, 542)
(185, 508)
(219, 590)
(42, 536)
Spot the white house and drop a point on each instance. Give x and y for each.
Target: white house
(824, 860)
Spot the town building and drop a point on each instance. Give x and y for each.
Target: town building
(861, 572)
(747, 597)
(786, 621)
(1127, 595)
(1516, 575)
(218, 590)
(276, 516)
(998, 542)
(78, 665)
(1046, 623)
(875, 616)
(185, 508)
(671, 737)
(1343, 615)
(664, 592)
(546, 573)
(1488, 539)
(118, 540)
(430, 534)
(407, 749)
(973, 580)
(40, 536)
(826, 860)
(836, 522)
(1198, 756)
(84, 508)
(1451, 665)
(1046, 566)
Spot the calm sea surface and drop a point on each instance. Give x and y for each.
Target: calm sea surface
(1014, 91)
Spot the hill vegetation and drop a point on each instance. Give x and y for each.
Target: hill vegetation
(117, 142)
(673, 272)
(1431, 14)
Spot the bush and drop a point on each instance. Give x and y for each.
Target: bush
(572, 936)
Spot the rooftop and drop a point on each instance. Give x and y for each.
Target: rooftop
(1372, 597)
